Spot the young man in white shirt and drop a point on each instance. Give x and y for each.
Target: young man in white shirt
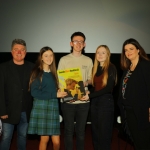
(76, 111)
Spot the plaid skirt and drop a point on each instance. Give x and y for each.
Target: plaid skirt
(44, 118)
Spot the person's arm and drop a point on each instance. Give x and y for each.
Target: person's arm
(89, 72)
(107, 89)
(146, 74)
(119, 102)
(37, 90)
(149, 114)
(3, 112)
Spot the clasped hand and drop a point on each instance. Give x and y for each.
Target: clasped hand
(4, 117)
(85, 97)
(61, 94)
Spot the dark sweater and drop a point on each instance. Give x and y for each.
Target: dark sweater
(46, 89)
(110, 82)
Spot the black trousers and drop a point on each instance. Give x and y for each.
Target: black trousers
(78, 113)
(141, 138)
(102, 117)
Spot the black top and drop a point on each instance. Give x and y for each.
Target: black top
(110, 81)
(138, 93)
(20, 70)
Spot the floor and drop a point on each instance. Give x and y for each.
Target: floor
(117, 143)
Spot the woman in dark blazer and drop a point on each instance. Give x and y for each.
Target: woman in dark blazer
(134, 99)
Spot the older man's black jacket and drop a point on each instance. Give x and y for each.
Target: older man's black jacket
(12, 91)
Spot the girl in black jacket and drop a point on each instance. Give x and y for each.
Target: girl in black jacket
(104, 78)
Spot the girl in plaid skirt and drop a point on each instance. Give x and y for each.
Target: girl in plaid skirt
(44, 118)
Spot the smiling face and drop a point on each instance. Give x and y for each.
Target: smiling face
(101, 55)
(18, 53)
(77, 44)
(47, 58)
(131, 52)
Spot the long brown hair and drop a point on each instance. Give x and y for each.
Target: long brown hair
(104, 67)
(37, 71)
(125, 62)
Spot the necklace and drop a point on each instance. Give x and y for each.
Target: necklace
(132, 67)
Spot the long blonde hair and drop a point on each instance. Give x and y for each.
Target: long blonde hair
(104, 67)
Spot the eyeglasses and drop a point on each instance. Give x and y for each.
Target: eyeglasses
(78, 42)
(19, 50)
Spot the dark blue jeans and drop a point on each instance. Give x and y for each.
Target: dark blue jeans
(74, 113)
(21, 134)
(102, 117)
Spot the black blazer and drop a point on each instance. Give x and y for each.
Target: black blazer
(11, 91)
(138, 93)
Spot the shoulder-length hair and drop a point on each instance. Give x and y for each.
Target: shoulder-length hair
(104, 67)
(37, 71)
(125, 62)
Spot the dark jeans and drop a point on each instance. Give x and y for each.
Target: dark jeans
(21, 134)
(102, 117)
(74, 113)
